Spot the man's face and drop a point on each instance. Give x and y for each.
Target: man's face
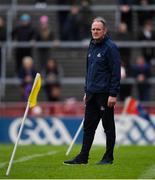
(98, 30)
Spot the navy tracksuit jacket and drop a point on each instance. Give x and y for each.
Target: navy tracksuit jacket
(103, 68)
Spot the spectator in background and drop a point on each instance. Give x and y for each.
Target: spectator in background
(78, 22)
(124, 35)
(24, 32)
(44, 34)
(71, 29)
(51, 75)
(125, 88)
(27, 74)
(141, 71)
(86, 16)
(144, 15)
(2, 38)
(85, 13)
(62, 15)
(147, 34)
(126, 12)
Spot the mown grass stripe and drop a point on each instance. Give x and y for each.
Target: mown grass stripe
(149, 173)
(27, 158)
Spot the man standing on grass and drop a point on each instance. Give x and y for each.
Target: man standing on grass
(101, 88)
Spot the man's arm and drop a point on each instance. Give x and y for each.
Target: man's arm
(114, 64)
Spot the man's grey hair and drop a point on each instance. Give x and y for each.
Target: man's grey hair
(100, 19)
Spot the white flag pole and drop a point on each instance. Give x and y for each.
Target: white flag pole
(19, 134)
(74, 139)
(22, 125)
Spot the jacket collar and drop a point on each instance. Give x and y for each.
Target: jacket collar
(99, 42)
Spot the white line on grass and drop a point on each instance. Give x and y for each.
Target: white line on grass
(149, 173)
(27, 158)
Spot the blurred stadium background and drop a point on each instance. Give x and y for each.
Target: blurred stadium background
(36, 33)
(51, 37)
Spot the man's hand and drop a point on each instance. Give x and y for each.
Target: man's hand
(111, 101)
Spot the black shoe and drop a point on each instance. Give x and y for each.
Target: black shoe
(77, 160)
(105, 162)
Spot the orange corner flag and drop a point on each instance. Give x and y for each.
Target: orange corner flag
(35, 90)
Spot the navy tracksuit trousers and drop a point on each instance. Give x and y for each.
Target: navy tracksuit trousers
(96, 109)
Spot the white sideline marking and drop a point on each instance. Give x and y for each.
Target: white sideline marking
(149, 173)
(27, 158)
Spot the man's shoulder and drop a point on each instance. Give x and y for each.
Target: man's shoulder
(110, 43)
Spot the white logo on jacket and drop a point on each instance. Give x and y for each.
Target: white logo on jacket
(102, 108)
(89, 55)
(99, 55)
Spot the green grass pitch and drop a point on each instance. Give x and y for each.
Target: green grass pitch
(46, 162)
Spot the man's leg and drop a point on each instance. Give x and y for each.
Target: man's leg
(109, 127)
(107, 115)
(92, 118)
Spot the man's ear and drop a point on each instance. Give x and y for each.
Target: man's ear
(105, 30)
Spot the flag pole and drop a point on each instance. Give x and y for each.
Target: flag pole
(74, 139)
(16, 144)
(32, 101)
